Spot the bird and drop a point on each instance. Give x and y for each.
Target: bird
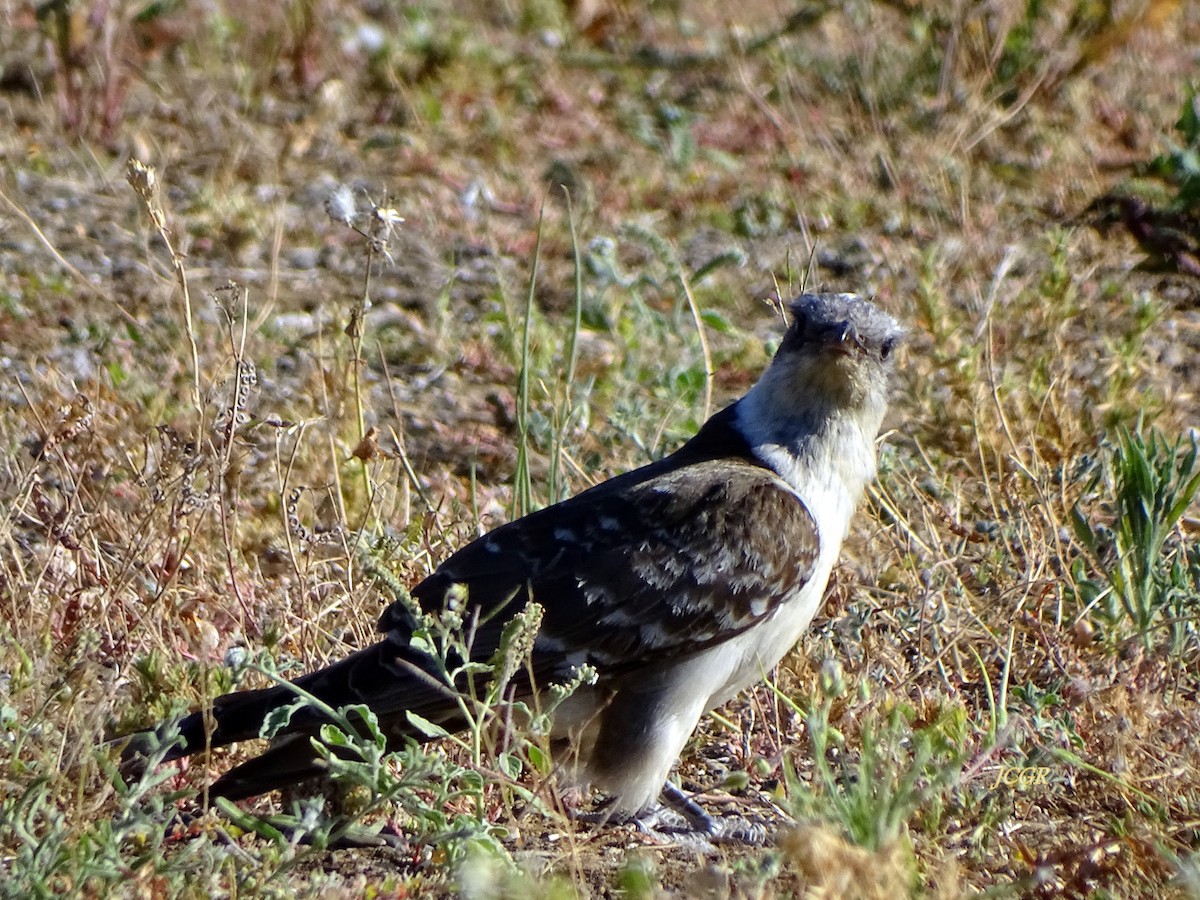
(680, 583)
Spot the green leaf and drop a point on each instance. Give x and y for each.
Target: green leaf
(278, 719)
(538, 759)
(247, 822)
(1186, 495)
(730, 257)
(1189, 119)
(1083, 531)
(510, 765)
(421, 643)
(427, 728)
(333, 736)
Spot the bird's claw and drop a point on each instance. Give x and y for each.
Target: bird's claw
(680, 817)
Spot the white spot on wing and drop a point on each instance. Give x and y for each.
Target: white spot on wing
(618, 616)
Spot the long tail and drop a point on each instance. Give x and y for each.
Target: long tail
(387, 678)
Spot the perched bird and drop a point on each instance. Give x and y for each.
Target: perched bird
(681, 582)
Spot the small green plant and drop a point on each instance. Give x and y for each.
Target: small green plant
(1021, 53)
(436, 800)
(1151, 482)
(561, 406)
(424, 787)
(48, 852)
(904, 769)
(667, 129)
(639, 878)
(1180, 165)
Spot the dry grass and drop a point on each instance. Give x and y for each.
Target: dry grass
(185, 474)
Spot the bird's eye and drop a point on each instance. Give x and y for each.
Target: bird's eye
(886, 350)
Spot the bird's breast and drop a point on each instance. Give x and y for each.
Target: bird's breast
(750, 657)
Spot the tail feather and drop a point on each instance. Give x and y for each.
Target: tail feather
(389, 678)
(233, 717)
(288, 761)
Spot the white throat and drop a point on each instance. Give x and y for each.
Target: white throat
(826, 454)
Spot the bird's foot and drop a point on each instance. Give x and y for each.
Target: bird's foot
(718, 829)
(741, 830)
(680, 818)
(365, 839)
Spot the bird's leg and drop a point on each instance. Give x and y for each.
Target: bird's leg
(677, 814)
(700, 821)
(726, 830)
(680, 817)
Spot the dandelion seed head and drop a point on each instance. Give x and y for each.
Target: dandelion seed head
(341, 205)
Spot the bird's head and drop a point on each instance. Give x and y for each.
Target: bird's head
(838, 348)
(819, 406)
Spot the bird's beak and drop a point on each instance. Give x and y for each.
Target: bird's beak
(843, 337)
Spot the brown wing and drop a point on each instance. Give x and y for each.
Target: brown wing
(630, 572)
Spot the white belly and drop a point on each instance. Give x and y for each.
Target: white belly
(749, 658)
